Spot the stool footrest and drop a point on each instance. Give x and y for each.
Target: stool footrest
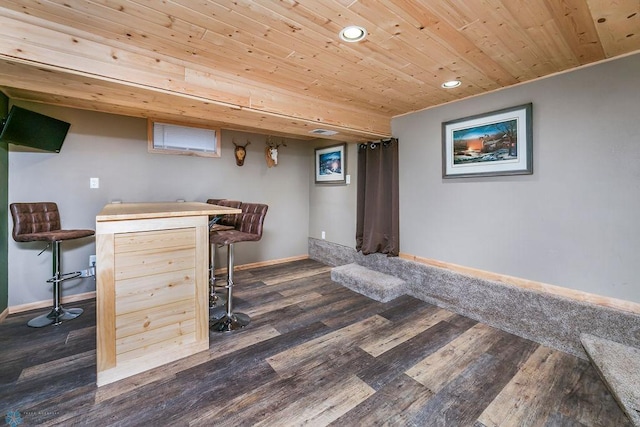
(65, 276)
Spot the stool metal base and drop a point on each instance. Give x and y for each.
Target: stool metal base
(55, 317)
(216, 313)
(230, 323)
(224, 321)
(58, 314)
(217, 301)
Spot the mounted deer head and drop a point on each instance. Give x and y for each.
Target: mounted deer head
(271, 151)
(240, 152)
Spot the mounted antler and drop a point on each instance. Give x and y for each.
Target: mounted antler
(273, 144)
(240, 152)
(271, 151)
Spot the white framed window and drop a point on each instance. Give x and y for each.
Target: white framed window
(185, 139)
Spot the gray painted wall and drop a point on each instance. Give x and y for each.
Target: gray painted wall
(574, 222)
(333, 207)
(114, 149)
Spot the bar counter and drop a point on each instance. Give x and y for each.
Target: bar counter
(151, 285)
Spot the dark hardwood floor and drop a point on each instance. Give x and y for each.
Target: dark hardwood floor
(315, 353)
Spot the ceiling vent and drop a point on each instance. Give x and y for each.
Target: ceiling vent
(324, 132)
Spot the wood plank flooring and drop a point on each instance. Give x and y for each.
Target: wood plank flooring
(315, 353)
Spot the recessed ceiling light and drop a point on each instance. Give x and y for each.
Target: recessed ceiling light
(353, 33)
(451, 84)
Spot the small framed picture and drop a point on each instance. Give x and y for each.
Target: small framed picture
(331, 163)
(490, 144)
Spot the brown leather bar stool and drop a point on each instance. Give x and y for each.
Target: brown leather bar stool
(40, 222)
(248, 229)
(219, 223)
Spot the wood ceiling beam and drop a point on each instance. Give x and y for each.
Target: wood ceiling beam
(94, 63)
(41, 84)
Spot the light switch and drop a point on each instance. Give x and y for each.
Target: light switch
(94, 182)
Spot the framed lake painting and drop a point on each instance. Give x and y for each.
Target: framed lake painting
(490, 144)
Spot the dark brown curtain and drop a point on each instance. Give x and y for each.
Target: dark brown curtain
(377, 226)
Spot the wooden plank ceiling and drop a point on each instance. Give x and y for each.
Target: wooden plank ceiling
(279, 67)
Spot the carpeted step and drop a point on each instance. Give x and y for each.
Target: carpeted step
(619, 368)
(373, 284)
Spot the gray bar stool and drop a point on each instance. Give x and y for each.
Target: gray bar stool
(40, 222)
(248, 228)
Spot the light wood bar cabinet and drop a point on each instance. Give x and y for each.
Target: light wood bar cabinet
(151, 285)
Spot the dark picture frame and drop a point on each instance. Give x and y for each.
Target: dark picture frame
(491, 144)
(331, 164)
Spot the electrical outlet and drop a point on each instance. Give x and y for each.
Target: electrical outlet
(92, 260)
(323, 235)
(94, 182)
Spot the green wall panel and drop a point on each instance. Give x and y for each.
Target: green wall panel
(4, 214)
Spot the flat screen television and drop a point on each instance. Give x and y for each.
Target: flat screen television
(35, 130)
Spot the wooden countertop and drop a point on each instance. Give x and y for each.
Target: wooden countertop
(128, 211)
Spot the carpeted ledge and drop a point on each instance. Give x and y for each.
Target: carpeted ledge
(542, 317)
(619, 367)
(378, 286)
